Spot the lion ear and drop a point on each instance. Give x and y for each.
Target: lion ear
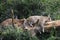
(49, 17)
(22, 20)
(37, 21)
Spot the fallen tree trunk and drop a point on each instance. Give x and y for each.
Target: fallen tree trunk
(55, 23)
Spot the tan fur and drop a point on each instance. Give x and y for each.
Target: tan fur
(35, 22)
(17, 22)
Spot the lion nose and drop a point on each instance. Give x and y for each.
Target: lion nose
(31, 25)
(26, 28)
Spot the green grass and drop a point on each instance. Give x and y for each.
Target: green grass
(10, 33)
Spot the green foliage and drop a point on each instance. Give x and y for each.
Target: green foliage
(9, 33)
(25, 8)
(51, 38)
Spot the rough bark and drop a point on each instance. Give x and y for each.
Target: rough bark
(55, 23)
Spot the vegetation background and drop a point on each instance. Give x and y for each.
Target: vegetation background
(24, 9)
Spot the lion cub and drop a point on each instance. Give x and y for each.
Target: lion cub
(37, 21)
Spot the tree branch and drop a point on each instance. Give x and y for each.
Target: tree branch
(55, 23)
